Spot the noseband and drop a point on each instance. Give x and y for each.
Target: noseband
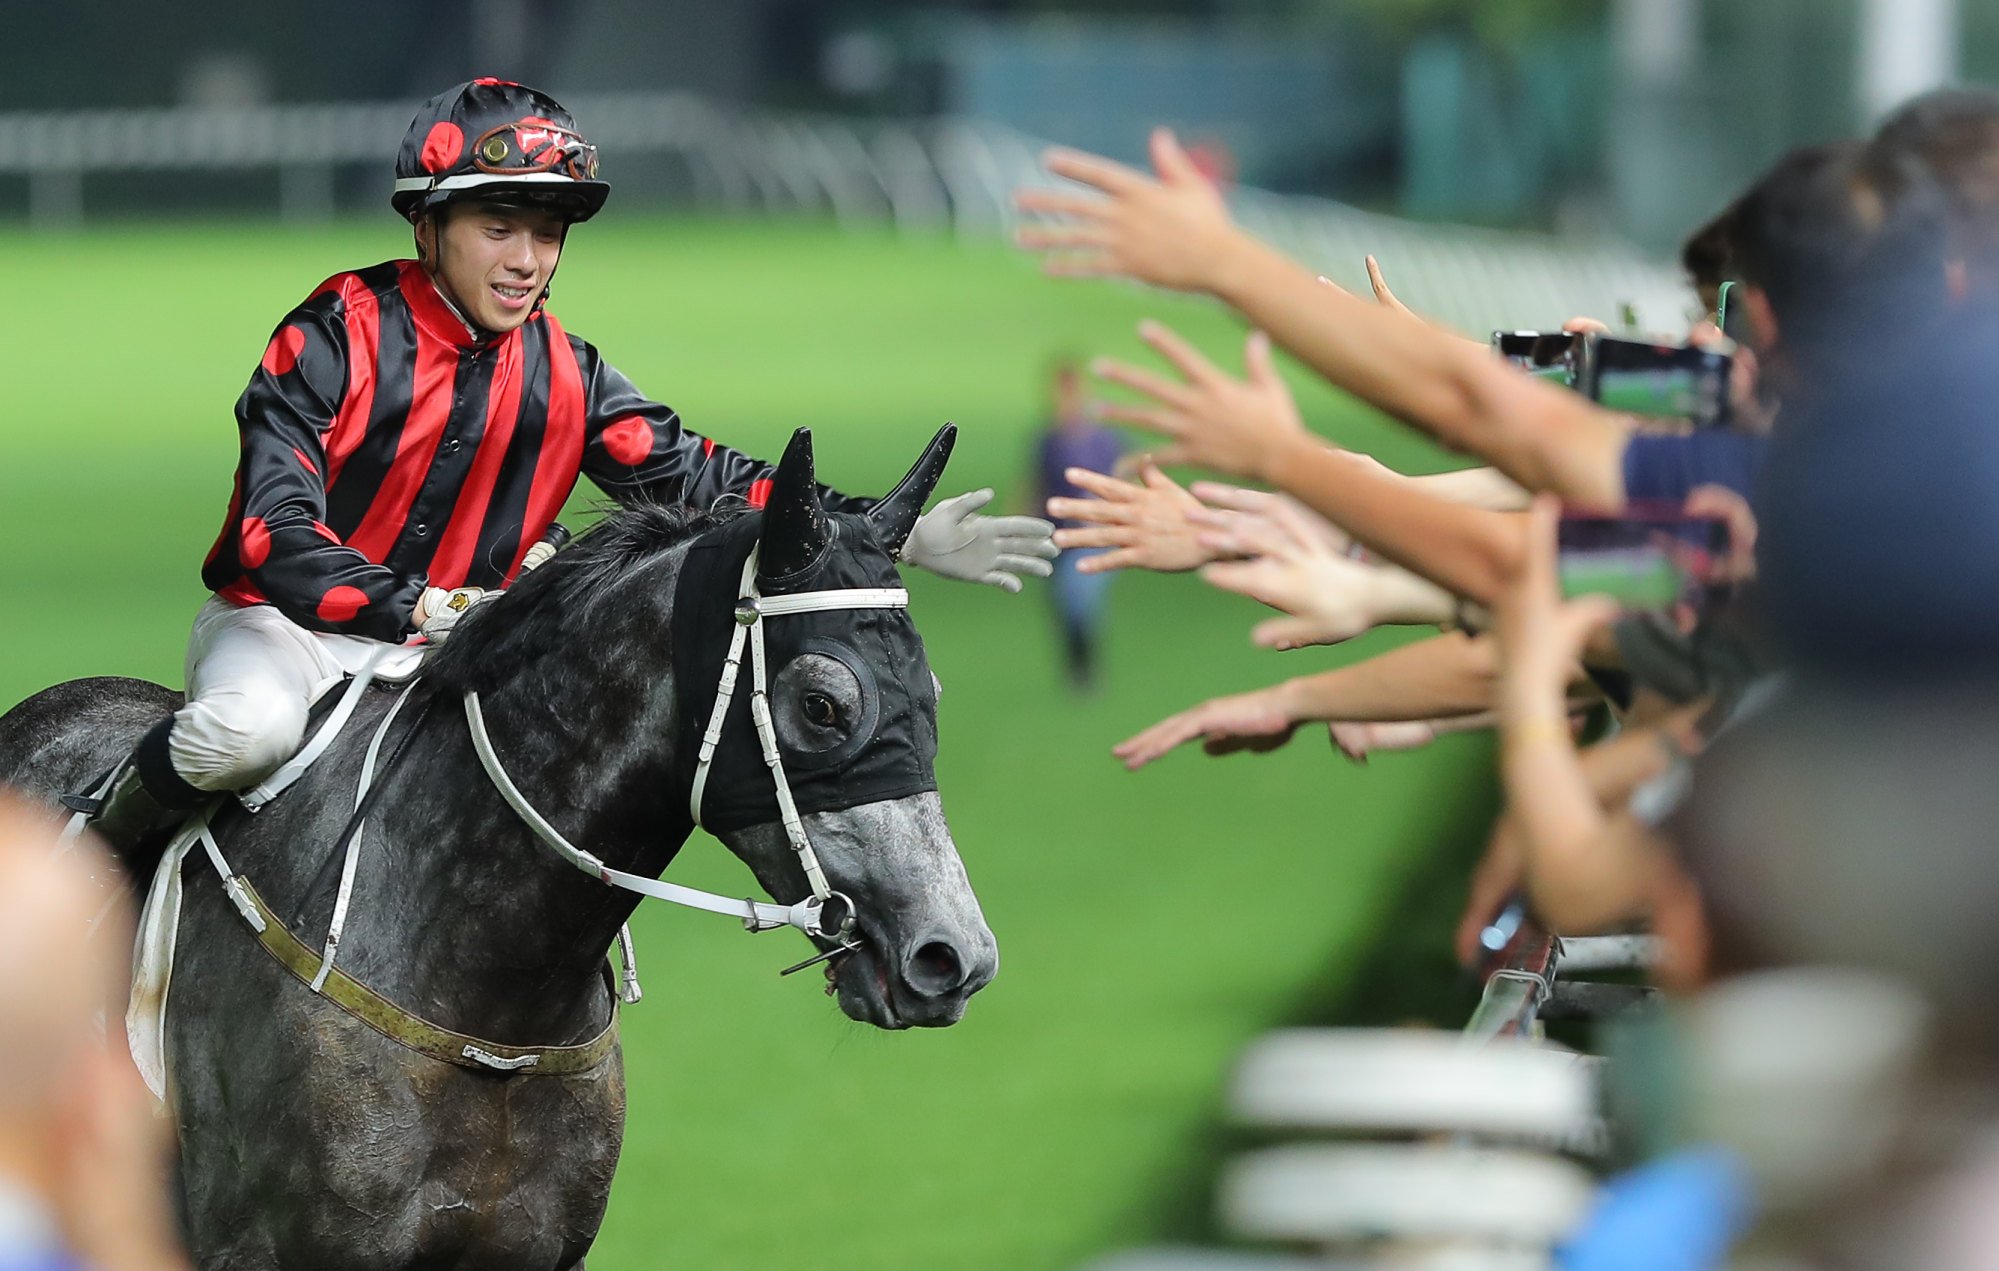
(825, 913)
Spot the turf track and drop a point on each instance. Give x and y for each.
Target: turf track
(1148, 923)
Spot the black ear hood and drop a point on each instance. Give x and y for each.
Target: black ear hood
(897, 760)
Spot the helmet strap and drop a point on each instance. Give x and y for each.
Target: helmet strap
(548, 288)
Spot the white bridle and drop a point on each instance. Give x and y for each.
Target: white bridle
(808, 915)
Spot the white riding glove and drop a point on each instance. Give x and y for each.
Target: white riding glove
(442, 607)
(952, 539)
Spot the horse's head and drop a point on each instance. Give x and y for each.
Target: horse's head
(853, 708)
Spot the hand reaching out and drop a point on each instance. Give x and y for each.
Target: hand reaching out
(1239, 498)
(1287, 564)
(1144, 524)
(1172, 230)
(1257, 721)
(1382, 295)
(1390, 301)
(1210, 418)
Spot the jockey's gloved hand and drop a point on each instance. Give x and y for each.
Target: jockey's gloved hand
(440, 608)
(952, 539)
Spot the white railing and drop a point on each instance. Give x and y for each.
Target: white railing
(922, 176)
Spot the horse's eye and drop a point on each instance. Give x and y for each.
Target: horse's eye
(820, 710)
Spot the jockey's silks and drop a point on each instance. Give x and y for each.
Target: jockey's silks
(387, 447)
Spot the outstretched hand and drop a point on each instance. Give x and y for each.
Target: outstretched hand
(1382, 295)
(1210, 418)
(1258, 721)
(1172, 230)
(1287, 562)
(1242, 498)
(1143, 525)
(954, 540)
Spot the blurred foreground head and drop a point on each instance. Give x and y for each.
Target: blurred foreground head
(53, 1066)
(1842, 844)
(1854, 826)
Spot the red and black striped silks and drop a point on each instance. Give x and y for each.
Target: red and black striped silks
(386, 448)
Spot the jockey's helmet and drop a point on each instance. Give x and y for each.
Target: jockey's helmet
(501, 142)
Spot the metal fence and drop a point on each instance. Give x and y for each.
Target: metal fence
(921, 176)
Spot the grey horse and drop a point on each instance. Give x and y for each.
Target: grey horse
(309, 1139)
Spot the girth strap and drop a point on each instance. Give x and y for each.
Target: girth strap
(412, 1031)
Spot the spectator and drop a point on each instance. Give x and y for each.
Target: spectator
(82, 1155)
(1072, 449)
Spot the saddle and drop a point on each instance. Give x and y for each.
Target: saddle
(159, 921)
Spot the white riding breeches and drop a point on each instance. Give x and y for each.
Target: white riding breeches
(252, 676)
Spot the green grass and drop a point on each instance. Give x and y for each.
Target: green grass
(1148, 924)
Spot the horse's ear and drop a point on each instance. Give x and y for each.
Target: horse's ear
(794, 529)
(895, 515)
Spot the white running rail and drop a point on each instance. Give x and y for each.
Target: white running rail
(923, 176)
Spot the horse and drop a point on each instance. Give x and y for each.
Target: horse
(312, 1134)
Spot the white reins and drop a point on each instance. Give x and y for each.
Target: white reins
(807, 915)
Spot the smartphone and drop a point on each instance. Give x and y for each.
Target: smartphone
(1549, 355)
(1731, 315)
(1659, 381)
(1648, 558)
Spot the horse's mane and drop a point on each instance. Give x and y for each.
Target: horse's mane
(502, 638)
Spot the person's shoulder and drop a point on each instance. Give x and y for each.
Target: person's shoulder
(556, 331)
(354, 289)
(588, 356)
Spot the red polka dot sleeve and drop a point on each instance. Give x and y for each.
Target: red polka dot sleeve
(636, 450)
(281, 543)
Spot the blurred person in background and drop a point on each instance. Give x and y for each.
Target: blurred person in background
(1074, 456)
(83, 1156)
(408, 440)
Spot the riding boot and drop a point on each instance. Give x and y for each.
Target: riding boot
(146, 799)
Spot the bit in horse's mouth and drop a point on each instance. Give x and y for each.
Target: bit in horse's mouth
(870, 994)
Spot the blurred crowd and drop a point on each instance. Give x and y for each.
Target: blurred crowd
(1737, 649)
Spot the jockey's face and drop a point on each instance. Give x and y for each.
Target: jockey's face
(492, 262)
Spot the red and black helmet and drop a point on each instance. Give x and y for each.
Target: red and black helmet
(494, 138)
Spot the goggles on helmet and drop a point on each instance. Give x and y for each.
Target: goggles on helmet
(534, 145)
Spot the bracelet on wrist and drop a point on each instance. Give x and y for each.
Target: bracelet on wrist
(1538, 728)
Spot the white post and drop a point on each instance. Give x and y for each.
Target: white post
(305, 193)
(1656, 41)
(1655, 154)
(55, 198)
(1906, 47)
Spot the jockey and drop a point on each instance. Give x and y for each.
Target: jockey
(410, 435)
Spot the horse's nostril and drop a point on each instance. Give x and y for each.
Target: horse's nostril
(935, 969)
